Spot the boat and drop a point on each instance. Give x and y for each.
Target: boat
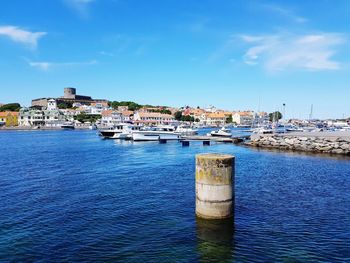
(68, 126)
(223, 132)
(186, 130)
(293, 128)
(156, 133)
(263, 130)
(119, 131)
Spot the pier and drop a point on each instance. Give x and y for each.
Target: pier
(234, 139)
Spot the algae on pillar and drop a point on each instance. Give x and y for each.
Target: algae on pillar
(214, 180)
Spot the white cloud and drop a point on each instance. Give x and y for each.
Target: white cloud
(16, 34)
(80, 6)
(279, 52)
(45, 66)
(289, 14)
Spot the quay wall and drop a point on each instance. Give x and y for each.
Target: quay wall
(331, 143)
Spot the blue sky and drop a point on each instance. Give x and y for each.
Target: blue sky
(231, 54)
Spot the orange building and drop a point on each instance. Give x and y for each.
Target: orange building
(9, 118)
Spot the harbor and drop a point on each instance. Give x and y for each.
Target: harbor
(123, 200)
(174, 131)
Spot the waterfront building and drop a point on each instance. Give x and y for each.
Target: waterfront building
(69, 97)
(8, 118)
(216, 118)
(36, 117)
(127, 115)
(69, 114)
(111, 117)
(152, 118)
(243, 117)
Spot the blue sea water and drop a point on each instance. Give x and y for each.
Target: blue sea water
(70, 196)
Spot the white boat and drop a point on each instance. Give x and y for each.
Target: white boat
(186, 130)
(120, 131)
(155, 134)
(263, 130)
(223, 132)
(293, 128)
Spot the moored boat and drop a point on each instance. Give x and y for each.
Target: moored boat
(223, 132)
(120, 131)
(155, 134)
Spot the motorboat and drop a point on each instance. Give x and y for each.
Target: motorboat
(186, 130)
(263, 130)
(156, 133)
(223, 132)
(119, 131)
(293, 128)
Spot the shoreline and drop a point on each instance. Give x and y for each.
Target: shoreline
(25, 128)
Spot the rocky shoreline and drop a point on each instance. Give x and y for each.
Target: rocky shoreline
(317, 143)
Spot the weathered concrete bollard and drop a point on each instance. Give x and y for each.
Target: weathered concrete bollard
(214, 180)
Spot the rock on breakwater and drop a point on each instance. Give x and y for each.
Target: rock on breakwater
(318, 143)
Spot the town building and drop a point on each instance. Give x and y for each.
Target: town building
(36, 117)
(111, 118)
(8, 118)
(243, 117)
(152, 118)
(70, 97)
(216, 119)
(127, 115)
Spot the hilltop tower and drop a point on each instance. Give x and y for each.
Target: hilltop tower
(69, 93)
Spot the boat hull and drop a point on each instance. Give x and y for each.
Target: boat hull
(154, 136)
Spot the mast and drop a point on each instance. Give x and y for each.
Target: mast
(311, 110)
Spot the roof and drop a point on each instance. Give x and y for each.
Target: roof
(127, 112)
(216, 115)
(244, 113)
(7, 113)
(106, 113)
(155, 115)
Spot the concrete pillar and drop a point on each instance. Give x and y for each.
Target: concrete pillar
(214, 180)
(185, 143)
(206, 143)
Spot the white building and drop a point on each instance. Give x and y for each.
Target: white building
(243, 117)
(152, 118)
(111, 118)
(35, 117)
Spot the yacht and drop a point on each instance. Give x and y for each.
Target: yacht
(155, 134)
(186, 130)
(223, 132)
(119, 131)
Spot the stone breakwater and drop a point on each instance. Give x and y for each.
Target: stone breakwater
(334, 144)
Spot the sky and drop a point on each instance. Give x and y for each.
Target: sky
(235, 55)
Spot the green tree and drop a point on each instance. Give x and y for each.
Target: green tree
(178, 115)
(275, 116)
(10, 107)
(64, 105)
(229, 119)
(83, 117)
